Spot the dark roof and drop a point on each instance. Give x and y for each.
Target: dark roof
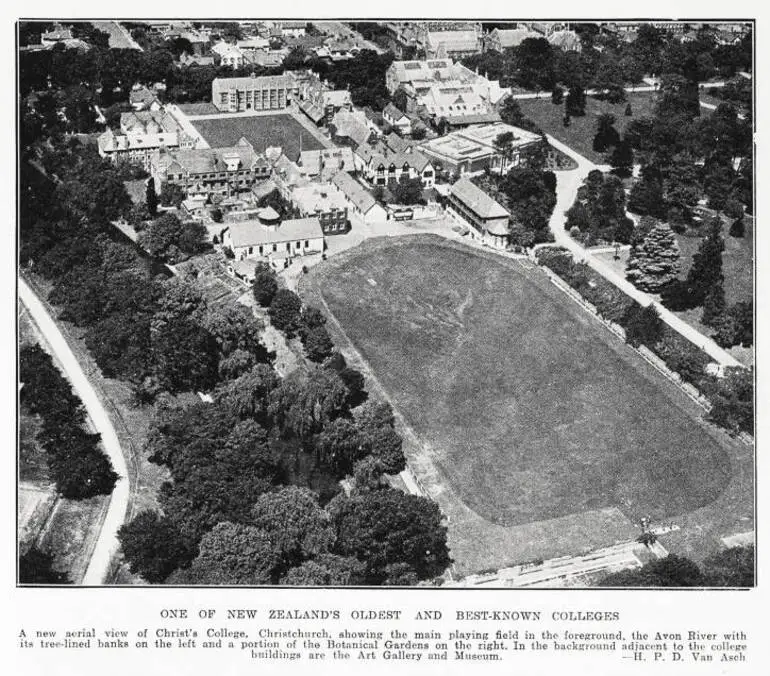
(477, 200)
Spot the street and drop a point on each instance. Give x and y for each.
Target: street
(107, 544)
(567, 184)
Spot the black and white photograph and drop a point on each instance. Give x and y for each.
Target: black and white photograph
(455, 305)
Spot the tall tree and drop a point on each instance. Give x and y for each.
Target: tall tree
(151, 198)
(285, 312)
(706, 269)
(265, 284)
(654, 263)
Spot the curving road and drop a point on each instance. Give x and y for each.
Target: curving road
(107, 543)
(567, 184)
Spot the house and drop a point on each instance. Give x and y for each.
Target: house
(326, 162)
(294, 29)
(473, 149)
(186, 59)
(267, 92)
(229, 54)
(320, 102)
(142, 134)
(501, 39)
(453, 43)
(327, 203)
(400, 73)
(142, 98)
(211, 171)
(567, 41)
(277, 241)
(396, 119)
(381, 165)
(350, 128)
(488, 218)
(57, 35)
(361, 201)
(253, 44)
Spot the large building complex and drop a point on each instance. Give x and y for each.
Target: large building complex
(473, 149)
(268, 92)
(275, 240)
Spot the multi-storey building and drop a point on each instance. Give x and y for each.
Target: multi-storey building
(268, 92)
(326, 203)
(142, 134)
(488, 218)
(207, 171)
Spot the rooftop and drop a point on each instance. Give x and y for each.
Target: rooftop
(355, 192)
(253, 233)
(478, 201)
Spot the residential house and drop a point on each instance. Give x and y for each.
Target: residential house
(500, 39)
(230, 55)
(360, 200)
(382, 164)
(324, 163)
(320, 102)
(186, 59)
(59, 34)
(488, 218)
(211, 171)
(453, 44)
(294, 29)
(276, 241)
(327, 203)
(142, 98)
(473, 149)
(141, 135)
(267, 92)
(351, 128)
(567, 41)
(396, 119)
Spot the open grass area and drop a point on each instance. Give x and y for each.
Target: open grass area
(580, 134)
(529, 409)
(737, 266)
(262, 131)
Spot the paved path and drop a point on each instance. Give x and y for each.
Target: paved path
(567, 184)
(120, 38)
(594, 92)
(107, 544)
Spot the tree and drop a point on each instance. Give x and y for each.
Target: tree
(265, 284)
(168, 239)
(732, 567)
(671, 571)
(185, 356)
(318, 344)
(248, 395)
(738, 228)
(390, 527)
(622, 159)
(706, 269)
(628, 111)
(171, 195)
(284, 312)
(575, 104)
(714, 305)
(557, 95)
(151, 198)
(654, 263)
(643, 326)
(606, 134)
(234, 554)
(406, 190)
(732, 403)
(297, 526)
(646, 196)
(736, 326)
(153, 546)
(36, 567)
(325, 570)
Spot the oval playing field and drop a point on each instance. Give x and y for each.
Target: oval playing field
(530, 407)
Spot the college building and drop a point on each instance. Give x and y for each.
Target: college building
(488, 218)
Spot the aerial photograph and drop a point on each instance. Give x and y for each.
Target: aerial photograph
(414, 303)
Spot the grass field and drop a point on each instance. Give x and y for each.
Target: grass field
(530, 412)
(580, 134)
(737, 266)
(262, 131)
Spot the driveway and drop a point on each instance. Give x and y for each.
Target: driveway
(567, 184)
(107, 544)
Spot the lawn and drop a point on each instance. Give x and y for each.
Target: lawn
(532, 410)
(580, 134)
(262, 131)
(737, 266)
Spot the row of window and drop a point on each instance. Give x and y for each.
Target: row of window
(264, 248)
